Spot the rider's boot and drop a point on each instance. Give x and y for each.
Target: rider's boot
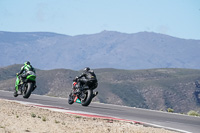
(19, 92)
(78, 90)
(95, 94)
(35, 86)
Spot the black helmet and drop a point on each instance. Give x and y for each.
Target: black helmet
(27, 63)
(86, 69)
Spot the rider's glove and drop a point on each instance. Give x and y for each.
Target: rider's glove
(75, 79)
(17, 74)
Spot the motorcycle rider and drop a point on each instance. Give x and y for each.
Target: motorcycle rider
(88, 78)
(24, 73)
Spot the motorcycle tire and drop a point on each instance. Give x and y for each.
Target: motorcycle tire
(27, 90)
(88, 98)
(70, 99)
(15, 94)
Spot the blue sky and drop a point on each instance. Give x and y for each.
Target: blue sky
(178, 18)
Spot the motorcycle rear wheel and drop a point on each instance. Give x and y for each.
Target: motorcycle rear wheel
(27, 90)
(88, 98)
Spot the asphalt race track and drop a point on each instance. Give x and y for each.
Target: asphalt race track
(178, 122)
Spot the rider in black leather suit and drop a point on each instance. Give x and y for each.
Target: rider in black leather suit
(88, 78)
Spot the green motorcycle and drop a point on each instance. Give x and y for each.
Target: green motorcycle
(27, 86)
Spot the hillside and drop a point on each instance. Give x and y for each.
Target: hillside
(107, 49)
(156, 89)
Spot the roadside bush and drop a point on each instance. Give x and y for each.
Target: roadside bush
(44, 118)
(170, 110)
(33, 115)
(193, 113)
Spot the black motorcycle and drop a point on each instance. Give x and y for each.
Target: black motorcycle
(84, 97)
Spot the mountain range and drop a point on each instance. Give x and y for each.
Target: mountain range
(107, 49)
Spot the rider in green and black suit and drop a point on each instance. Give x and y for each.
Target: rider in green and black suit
(24, 72)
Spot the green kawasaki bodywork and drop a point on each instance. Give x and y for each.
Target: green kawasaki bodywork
(17, 83)
(29, 77)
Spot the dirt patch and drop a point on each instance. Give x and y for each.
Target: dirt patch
(18, 118)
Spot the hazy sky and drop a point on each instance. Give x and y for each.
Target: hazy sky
(178, 18)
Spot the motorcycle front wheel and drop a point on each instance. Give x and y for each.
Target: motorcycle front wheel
(70, 99)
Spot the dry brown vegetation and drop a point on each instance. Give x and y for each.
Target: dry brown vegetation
(19, 118)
